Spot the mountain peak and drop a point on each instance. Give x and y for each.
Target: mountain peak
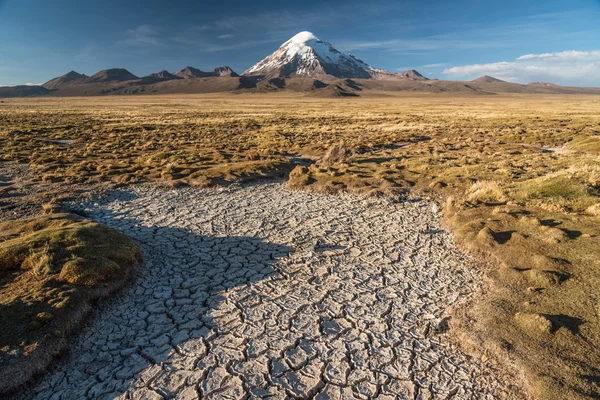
(306, 55)
(546, 84)
(191, 72)
(163, 75)
(224, 71)
(303, 37)
(61, 80)
(414, 75)
(113, 75)
(73, 74)
(487, 79)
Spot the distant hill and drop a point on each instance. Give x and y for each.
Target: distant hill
(191, 72)
(61, 80)
(412, 74)
(326, 86)
(224, 71)
(164, 75)
(487, 79)
(113, 75)
(543, 84)
(23, 91)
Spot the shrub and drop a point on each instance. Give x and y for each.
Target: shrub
(338, 153)
(486, 192)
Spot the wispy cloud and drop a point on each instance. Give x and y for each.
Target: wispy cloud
(213, 47)
(87, 55)
(406, 45)
(570, 55)
(257, 29)
(277, 20)
(571, 67)
(142, 35)
(464, 36)
(455, 40)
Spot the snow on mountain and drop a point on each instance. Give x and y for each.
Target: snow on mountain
(307, 55)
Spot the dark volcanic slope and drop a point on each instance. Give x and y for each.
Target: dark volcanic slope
(163, 75)
(113, 75)
(225, 71)
(23, 91)
(412, 74)
(492, 86)
(191, 72)
(223, 79)
(487, 79)
(61, 80)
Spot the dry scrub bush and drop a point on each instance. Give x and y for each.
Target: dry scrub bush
(299, 178)
(486, 192)
(594, 210)
(40, 260)
(338, 153)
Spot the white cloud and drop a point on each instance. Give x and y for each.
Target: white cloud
(143, 35)
(225, 36)
(564, 55)
(573, 67)
(438, 65)
(411, 45)
(211, 47)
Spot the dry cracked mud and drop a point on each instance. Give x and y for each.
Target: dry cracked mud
(260, 292)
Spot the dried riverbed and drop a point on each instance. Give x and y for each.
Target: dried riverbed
(257, 291)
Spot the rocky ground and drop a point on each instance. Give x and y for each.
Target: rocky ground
(256, 291)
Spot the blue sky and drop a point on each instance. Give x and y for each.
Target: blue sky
(520, 40)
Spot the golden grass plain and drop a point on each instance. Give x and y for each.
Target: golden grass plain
(519, 176)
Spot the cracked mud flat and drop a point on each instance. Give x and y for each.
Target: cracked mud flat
(256, 292)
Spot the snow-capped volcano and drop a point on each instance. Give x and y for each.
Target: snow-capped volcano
(307, 55)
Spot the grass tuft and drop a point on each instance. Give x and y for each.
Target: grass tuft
(486, 192)
(52, 269)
